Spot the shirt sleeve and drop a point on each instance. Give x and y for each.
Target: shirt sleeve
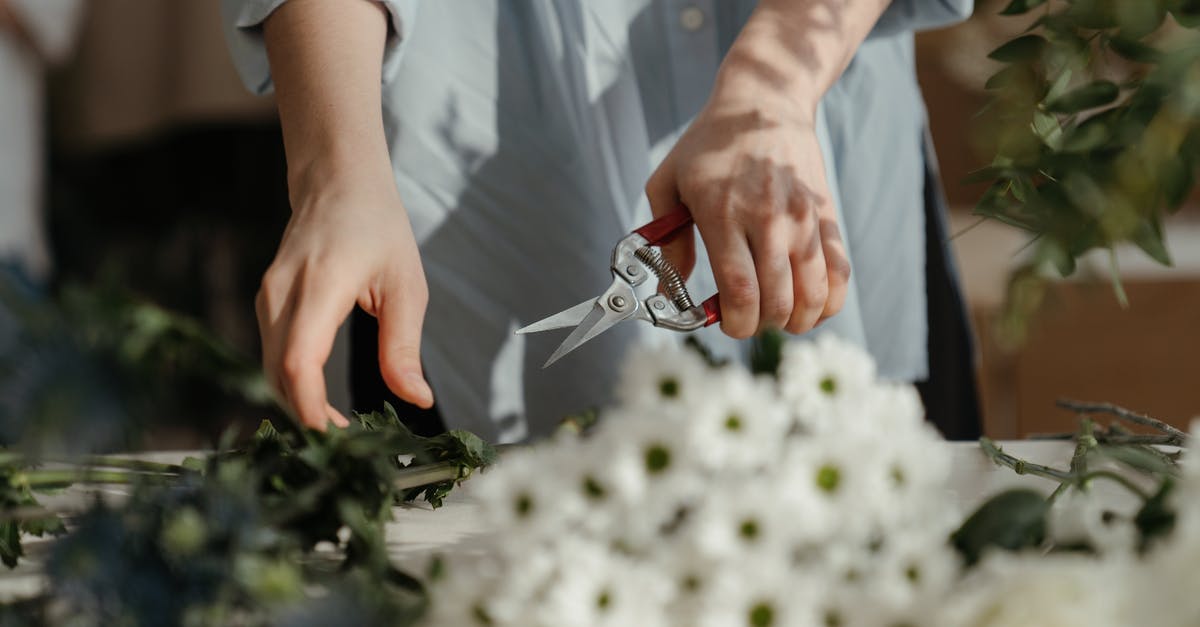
(51, 24)
(917, 15)
(243, 30)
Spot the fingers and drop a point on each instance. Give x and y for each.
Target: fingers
(837, 266)
(401, 313)
(737, 281)
(771, 246)
(663, 195)
(298, 326)
(811, 280)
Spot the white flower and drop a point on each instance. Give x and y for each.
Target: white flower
(597, 587)
(518, 497)
(664, 376)
(464, 593)
(740, 522)
(1033, 590)
(1079, 517)
(758, 593)
(742, 426)
(841, 485)
(709, 497)
(914, 570)
(822, 377)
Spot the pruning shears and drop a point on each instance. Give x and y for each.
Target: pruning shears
(634, 259)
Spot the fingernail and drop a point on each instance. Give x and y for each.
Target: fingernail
(418, 387)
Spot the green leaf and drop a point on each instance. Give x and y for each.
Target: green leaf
(1010, 521)
(1060, 85)
(266, 431)
(1186, 12)
(1137, 458)
(1148, 236)
(1134, 50)
(1023, 48)
(1138, 18)
(10, 543)
(1088, 135)
(1178, 179)
(1017, 7)
(1156, 518)
(1096, 14)
(1090, 96)
(471, 449)
(194, 464)
(1047, 128)
(1054, 252)
(988, 174)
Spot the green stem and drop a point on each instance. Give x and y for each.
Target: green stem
(427, 474)
(1020, 466)
(1112, 476)
(1123, 414)
(1153, 440)
(55, 478)
(10, 458)
(1059, 491)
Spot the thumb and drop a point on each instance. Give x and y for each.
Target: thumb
(401, 315)
(663, 194)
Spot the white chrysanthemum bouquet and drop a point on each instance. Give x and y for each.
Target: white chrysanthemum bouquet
(819, 497)
(708, 496)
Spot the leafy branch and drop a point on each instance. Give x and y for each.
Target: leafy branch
(1094, 131)
(237, 530)
(1016, 519)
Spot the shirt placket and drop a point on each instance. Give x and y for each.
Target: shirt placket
(691, 37)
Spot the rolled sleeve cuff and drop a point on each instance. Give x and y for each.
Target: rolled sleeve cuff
(243, 21)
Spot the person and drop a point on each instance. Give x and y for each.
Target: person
(458, 170)
(33, 35)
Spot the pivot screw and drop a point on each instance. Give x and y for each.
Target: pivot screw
(631, 270)
(659, 305)
(617, 302)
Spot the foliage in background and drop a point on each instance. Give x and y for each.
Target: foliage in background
(100, 362)
(1095, 129)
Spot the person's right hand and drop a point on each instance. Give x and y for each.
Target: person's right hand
(347, 243)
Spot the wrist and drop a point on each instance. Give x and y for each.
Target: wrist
(338, 174)
(793, 52)
(743, 84)
(763, 65)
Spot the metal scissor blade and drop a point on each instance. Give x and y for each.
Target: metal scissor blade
(561, 320)
(596, 322)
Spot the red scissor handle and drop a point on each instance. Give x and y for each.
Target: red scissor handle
(666, 228)
(712, 310)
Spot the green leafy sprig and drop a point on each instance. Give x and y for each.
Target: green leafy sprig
(1017, 519)
(1094, 124)
(237, 537)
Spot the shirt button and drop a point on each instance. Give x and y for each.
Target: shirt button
(691, 19)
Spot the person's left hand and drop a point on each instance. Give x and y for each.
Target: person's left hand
(750, 170)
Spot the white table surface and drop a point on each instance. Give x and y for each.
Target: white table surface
(419, 530)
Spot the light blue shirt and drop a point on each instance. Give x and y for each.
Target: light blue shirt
(522, 133)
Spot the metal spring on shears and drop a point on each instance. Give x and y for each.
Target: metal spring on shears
(668, 276)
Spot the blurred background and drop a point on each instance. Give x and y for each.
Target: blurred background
(142, 170)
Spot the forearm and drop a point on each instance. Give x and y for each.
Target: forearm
(326, 58)
(799, 48)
